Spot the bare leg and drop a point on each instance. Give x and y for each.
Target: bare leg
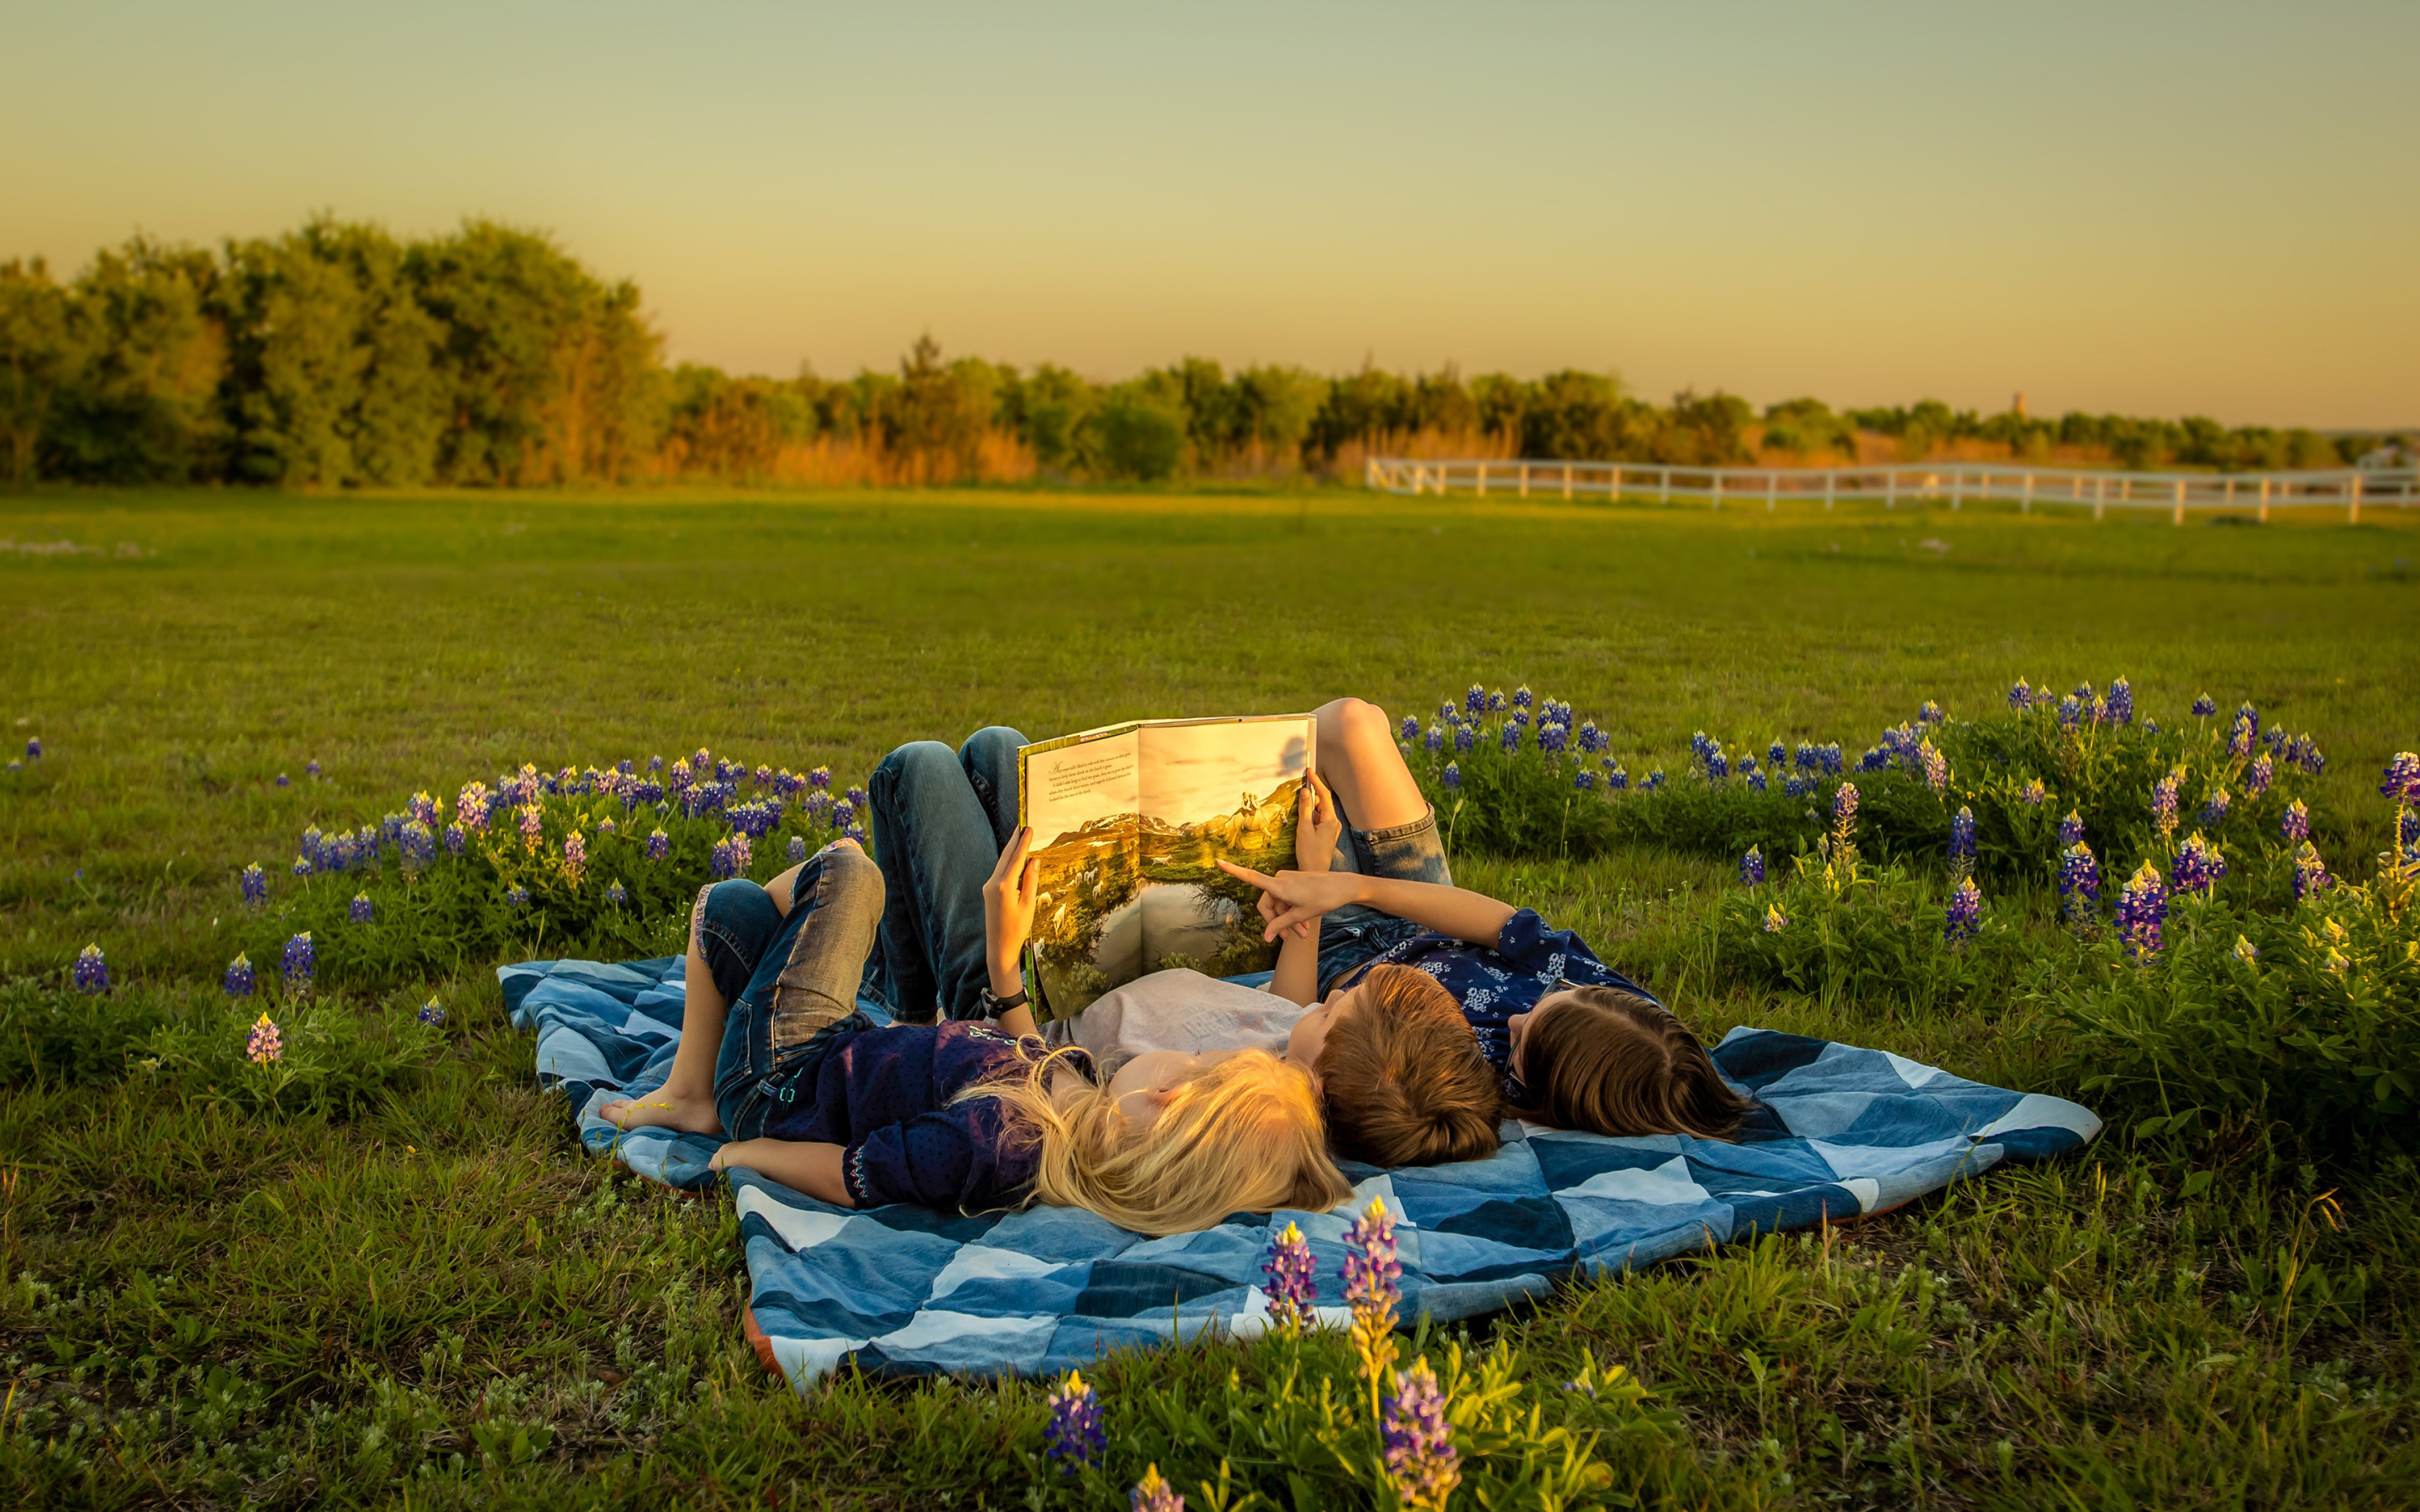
(1358, 762)
(686, 1100)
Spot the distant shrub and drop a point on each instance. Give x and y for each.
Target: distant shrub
(1136, 439)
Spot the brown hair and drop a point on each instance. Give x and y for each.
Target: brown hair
(1403, 1079)
(1611, 1062)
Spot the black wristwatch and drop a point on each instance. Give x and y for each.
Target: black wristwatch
(994, 1004)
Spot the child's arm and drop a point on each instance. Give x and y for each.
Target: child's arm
(1008, 922)
(1318, 825)
(812, 1168)
(1302, 895)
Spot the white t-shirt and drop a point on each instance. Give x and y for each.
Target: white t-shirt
(1175, 1010)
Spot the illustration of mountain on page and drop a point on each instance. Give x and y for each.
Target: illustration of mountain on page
(1128, 821)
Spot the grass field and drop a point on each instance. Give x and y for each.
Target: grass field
(433, 1297)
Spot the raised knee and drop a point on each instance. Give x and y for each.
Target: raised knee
(919, 760)
(845, 867)
(1357, 721)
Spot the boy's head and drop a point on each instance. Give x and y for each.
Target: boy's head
(1611, 1062)
(1400, 1074)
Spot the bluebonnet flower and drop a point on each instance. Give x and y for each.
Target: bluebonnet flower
(424, 808)
(1592, 739)
(763, 775)
(1931, 714)
(2407, 826)
(1716, 764)
(455, 839)
(855, 832)
(2296, 826)
(1153, 1494)
(1465, 736)
(1796, 786)
(857, 798)
(1700, 747)
(284, 781)
(2204, 707)
(2142, 910)
(2256, 780)
(1448, 709)
(2245, 734)
(2151, 727)
(239, 979)
(1844, 806)
(2071, 713)
(1075, 1435)
(701, 760)
(607, 826)
(1617, 778)
(471, 806)
(302, 866)
(1746, 763)
(91, 970)
(2213, 809)
(1809, 757)
(1961, 835)
(1935, 766)
(2310, 872)
(1654, 779)
(1755, 781)
(1520, 718)
(517, 898)
(1873, 761)
(1584, 780)
(1372, 1286)
(680, 774)
(616, 893)
(360, 909)
(2197, 866)
(2022, 695)
(1411, 730)
(1293, 1286)
(532, 828)
(1522, 697)
(1476, 700)
(655, 763)
(2079, 882)
(300, 963)
(264, 1044)
(1510, 738)
(575, 857)
(1832, 759)
(639, 792)
(15, 765)
(1419, 1442)
(625, 767)
(2402, 779)
(732, 856)
(314, 847)
(2083, 693)
(843, 814)
(1551, 738)
(1435, 738)
(1965, 912)
(2121, 702)
(1454, 775)
(431, 1013)
(34, 748)
(2071, 829)
(254, 883)
(1751, 868)
(1775, 919)
(311, 768)
(2313, 762)
(2164, 803)
(1496, 701)
(797, 851)
(1776, 756)
(2033, 794)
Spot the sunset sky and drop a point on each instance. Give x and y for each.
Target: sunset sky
(2207, 207)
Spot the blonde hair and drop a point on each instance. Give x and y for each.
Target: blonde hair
(1242, 1135)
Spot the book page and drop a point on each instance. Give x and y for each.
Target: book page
(1081, 798)
(1213, 789)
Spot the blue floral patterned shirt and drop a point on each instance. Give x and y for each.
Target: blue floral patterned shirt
(1528, 962)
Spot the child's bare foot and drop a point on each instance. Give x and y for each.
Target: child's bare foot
(663, 1109)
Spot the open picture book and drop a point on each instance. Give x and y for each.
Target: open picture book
(1128, 822)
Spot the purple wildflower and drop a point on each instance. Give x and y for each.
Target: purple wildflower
(1584, 781)
(1465, 737)
(1453, 776)
(2142, 910)
(311, 768)
(2204, 707)
(455, 839)
(1153, 1494)
(1832, 759)
(2033, 794)
(575, 855)
(1776, 756)
(1844, 807)
(360, 909)
(1420, 1457)
(264, 1044)
(1075, 1434)
(1755, 781)
(1371, 1285)
(533, 829)
(1775, 919)
(2021, 696)
(2163, 804)
(1809, 758)
(1510, 738)
(1654, 779)
(732, 856)
(2071, 713)
(1935, 766)
(1551, 738)
(1931, 714)
(1293, 1285)
(1751, 868)
(2213, 809)
(517, 897)
(857, 798)
(2121, 702)
(301, 963)
(616, 893)
(91, 970)
(302, 866)
(798, 848)
(431, 1013)
(2310, 872)
(1965, 912)
(2079, 882)
(1522, 697)
(471, 806)
(1961, 835)
(1718, 765)
(1496, 701)
(680, 777)
(2197, 866)
(284, 781)
(2402, 783)
(1411, 730)
(2256, 782)
(34, 748)
(239, 981)
(1476, 700)
(763, 775)
(1617, 778)
(254, 883)
(2296, 826)
(655, 763)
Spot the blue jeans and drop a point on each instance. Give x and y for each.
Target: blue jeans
(790, 982)
(1353, 936)
(939, 820)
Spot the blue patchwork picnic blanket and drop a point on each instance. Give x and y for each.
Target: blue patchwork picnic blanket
(901, 1290)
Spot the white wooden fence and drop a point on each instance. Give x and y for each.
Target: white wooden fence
(2346, 488)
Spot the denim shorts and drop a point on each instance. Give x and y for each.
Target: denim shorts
(790, 982)
(1353, 936)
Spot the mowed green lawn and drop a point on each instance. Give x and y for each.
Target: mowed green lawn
(440, 1297)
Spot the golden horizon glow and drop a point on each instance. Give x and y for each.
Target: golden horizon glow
(2159, 210)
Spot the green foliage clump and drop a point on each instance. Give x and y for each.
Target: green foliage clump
(2303, 1025)
(57, 1037)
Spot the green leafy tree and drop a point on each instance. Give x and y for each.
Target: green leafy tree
(38, 358)
(143, 405)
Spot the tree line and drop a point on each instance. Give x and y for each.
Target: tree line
(337, 356)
